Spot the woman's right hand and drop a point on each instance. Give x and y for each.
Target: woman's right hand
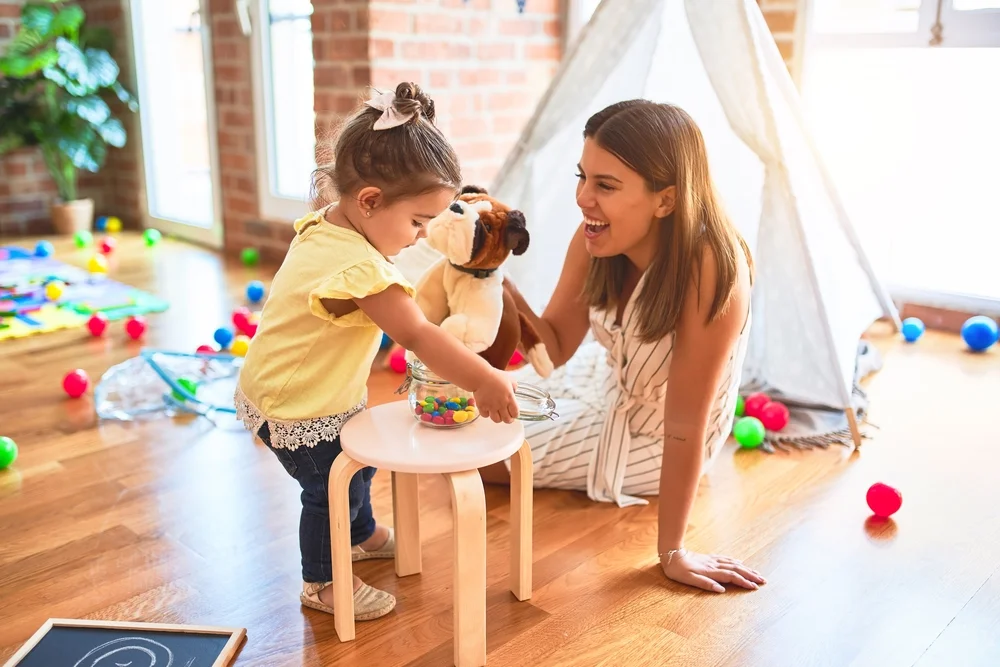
(495, 397)
(709, 572)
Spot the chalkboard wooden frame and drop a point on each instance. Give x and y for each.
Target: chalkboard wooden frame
(236, 635)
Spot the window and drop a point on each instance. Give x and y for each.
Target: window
(904, 112)
(283, 92)
(578, 14)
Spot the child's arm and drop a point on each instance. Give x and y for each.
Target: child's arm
(399, 316)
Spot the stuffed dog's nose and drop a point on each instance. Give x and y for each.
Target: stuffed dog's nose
(456, 208)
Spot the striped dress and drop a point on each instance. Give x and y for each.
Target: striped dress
(608, 439)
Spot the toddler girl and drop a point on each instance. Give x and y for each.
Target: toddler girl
(306, 372)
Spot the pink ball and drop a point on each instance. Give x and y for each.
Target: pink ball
(884, 500)
(97, 324)
(516, 358)
(774, 416)
(397, 360)
(107, 245)
(135, 327)
(755, 403)
(76, 383)
(205, 349)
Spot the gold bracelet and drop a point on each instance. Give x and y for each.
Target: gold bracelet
(670, 554)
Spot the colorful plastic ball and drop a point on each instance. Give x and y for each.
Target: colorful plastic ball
(397, 360)
(54, 290)
(8, 452)
(980, 332)
(223, 336)
(774, 416)
(516, 358)
(101, 223)
(240, 346)
(255, 291)
(135, 327)
(205, 349)
(912, 329)
(108, 244)
(98, 264)
(741, 408)
(386, 342)
(241, 317)
(754, 403)
(83, 238)
(44, 249)
(114, 224)
(884, 500)
(76, 383)
(189, 385)
(749, 432)
(250, 256)
(98, 324)
(152, 237)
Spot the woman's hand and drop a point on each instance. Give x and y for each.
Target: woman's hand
(708, 572)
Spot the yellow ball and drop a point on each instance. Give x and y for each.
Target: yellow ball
(114, 225)
(461, 416)
(54, 290)
(240, 346)
(98, 264)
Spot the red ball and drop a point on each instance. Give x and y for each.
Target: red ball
(205, 349)
(774, 416)
(76, 383)
(884, 500)
(754, 404)
(397, 360)
(516, 358)
(250, 330)
(97, 324)
(241, 317)
(107, 245)
(135, 327)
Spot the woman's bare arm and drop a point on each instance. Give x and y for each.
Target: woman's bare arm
(564, 324)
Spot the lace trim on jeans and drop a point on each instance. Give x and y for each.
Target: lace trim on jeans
(297, 433)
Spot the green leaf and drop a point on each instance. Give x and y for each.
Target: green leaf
(92, 109)
(15, 66)
(55, 75)
(37, 17)
(77, 147)
(113, 132)
(92, 70)
(25, 41)
(68, 21)
(10, 142)
(125, 96)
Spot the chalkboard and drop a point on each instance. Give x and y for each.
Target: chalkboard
(74, 643)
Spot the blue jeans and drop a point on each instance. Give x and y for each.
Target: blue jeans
(310, 467)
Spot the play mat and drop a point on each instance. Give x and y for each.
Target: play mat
(25, 310)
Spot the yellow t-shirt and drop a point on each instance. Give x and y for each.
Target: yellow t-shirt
(305, 362)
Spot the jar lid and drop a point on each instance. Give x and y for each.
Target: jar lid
(534, 404)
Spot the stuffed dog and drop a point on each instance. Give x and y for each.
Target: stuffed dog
(464, 293)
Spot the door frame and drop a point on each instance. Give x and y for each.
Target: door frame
(212, 236)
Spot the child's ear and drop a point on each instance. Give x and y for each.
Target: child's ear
(369, 198)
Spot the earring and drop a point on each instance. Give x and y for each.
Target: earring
(368, 213)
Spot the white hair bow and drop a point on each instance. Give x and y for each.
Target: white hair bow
(391, 117)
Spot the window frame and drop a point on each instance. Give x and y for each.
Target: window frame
(273, 205)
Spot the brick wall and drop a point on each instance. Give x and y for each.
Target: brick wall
(782, 19)
(27, 191)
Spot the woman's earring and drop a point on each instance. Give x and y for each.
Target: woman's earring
(368, 213)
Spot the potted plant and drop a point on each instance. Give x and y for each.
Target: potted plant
(56, 78)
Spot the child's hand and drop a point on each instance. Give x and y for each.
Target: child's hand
(495, 397)
(710, 572)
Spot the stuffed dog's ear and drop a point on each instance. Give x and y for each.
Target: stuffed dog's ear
(516, 234)
(473, 190)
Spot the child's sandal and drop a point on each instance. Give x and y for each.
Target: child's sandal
(387, 550)
(369, 603)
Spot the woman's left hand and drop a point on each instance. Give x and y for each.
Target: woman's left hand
(708, 571)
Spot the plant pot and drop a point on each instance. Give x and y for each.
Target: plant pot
(71, 217)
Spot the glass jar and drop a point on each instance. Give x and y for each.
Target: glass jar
(437, 403)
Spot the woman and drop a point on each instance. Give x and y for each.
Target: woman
(666, 293)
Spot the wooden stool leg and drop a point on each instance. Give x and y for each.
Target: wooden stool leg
(521, 522)
(341, 473)
(468, 505)
(406, 520)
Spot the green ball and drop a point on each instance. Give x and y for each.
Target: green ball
(250, 256)
(8, 452)
(83, 238)
(749, 432)
(740, 406)
(152, 236)
(189, 385)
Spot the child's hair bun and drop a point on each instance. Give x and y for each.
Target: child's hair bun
(410, 99)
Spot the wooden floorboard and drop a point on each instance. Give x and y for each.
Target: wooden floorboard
(176, 520)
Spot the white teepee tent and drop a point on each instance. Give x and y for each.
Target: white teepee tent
(815, 292)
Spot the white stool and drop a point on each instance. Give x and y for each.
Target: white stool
(388, 437)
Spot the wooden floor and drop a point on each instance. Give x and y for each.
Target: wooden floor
(182, 522)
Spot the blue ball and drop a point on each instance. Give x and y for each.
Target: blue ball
(913, 328)
(101, 224)
(223, 336)
(980, 332)
(386, 342)
(255, 291)
(44, 249)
